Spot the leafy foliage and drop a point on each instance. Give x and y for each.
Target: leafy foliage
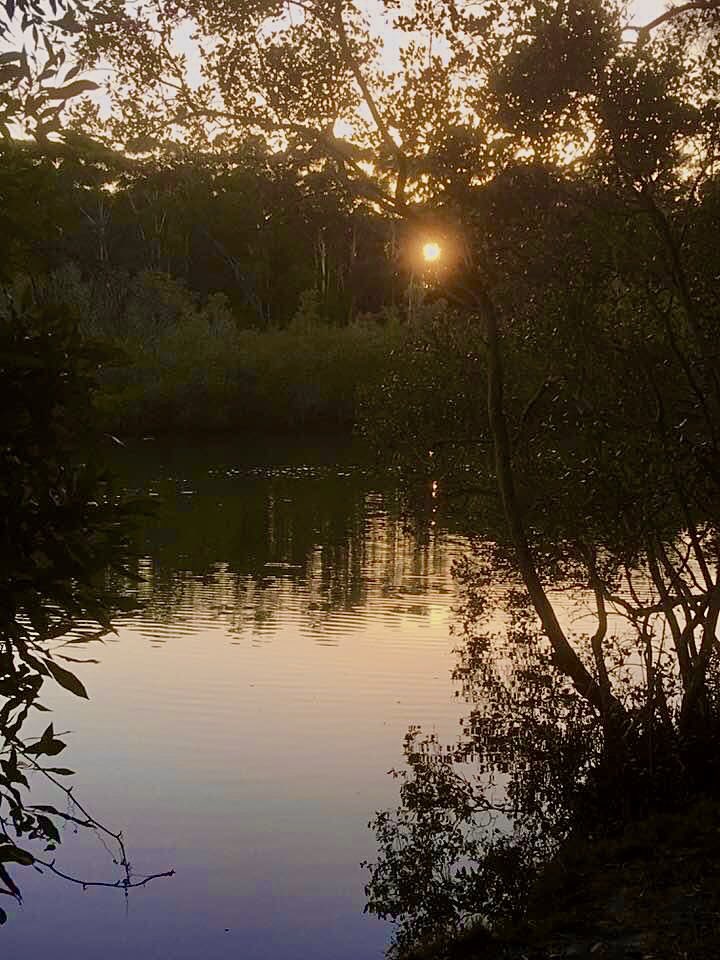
(62, 530)
(188, 366)
(242, 224)
(61, 525)
(38, 72)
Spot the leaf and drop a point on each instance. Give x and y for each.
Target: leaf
(72, 73)
(66, 679)
(9, 853)
(60, 771)
(47, 745)
(68, 818)
(68, 23)
(9, 72)
(46, 73)
(10, 886)
(3, 916)
(48, 828)
(72, 90)
(11, 771)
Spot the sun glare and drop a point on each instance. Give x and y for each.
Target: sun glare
(431, 252)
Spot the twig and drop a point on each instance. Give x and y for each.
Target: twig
(671, 13)
(125, 884)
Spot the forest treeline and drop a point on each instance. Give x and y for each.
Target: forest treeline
(238, 290)
(246, 225)
(235, 290)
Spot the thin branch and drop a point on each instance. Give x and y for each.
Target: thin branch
(598, 637)
(685, 567)
(693, 6)
(682, 589)
(372, 106)
(638, 610)
(124, 884)
(68, 791)
(681, 648)
(530, 407)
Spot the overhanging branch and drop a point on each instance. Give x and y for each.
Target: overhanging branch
(672, 13)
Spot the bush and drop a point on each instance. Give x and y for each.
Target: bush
(188, 364)
(59, 527)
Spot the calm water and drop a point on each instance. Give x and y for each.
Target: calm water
(241, 727)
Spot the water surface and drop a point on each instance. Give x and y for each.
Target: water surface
(242, 724)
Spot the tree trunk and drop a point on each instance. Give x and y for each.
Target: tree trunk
(565, 657)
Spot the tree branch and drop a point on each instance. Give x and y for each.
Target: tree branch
(565, 656)
(693, 6)
(372, 106)
(124, 884)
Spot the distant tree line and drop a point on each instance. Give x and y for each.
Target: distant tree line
(247, 225)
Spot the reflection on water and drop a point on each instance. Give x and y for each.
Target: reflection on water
(256, 547)
(241, 726)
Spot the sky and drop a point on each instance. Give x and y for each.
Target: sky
(645, 10)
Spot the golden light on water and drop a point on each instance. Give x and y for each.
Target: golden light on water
(431, 252)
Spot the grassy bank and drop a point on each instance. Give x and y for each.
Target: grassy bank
(196, 378)
(188, 365)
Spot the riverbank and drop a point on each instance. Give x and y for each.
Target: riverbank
(652, 893)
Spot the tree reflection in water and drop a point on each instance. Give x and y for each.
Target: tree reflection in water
(535, 767)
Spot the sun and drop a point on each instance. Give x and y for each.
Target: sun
(431, 252)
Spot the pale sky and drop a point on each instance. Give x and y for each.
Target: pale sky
(645, 10)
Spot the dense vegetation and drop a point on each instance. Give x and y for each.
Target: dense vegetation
(555, 373)
(235, 292)
(63, 539)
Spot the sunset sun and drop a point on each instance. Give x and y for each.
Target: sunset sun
(431, 252)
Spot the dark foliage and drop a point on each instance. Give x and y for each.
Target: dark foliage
(62, 534)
